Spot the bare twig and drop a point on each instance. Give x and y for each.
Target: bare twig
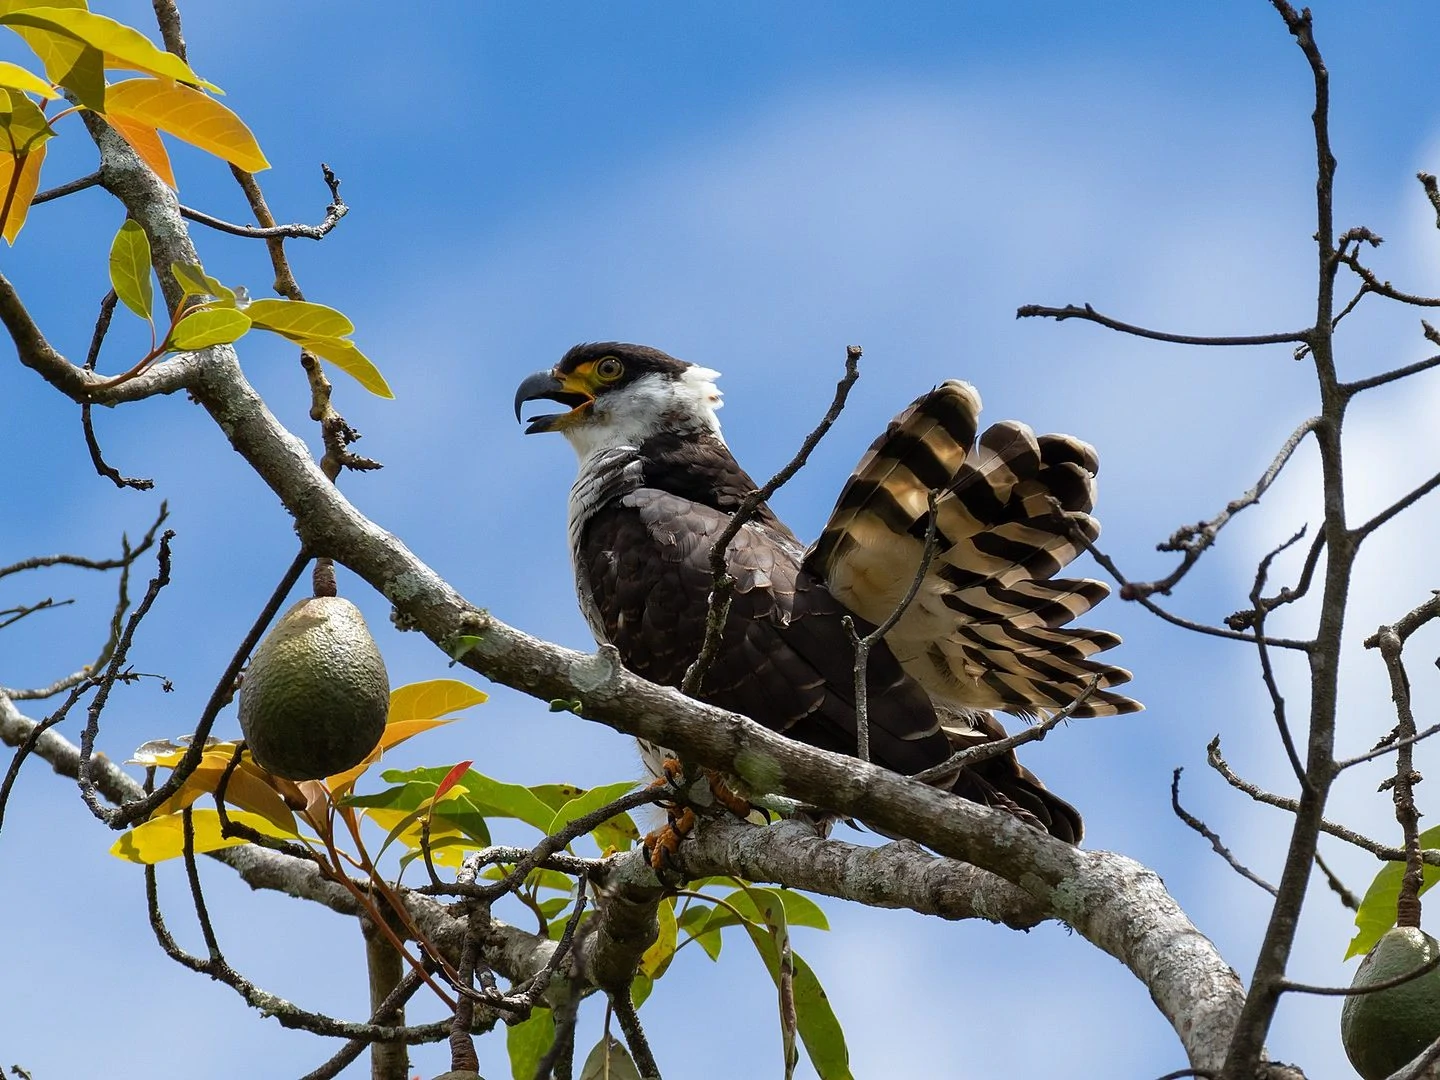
(102, 327)
(718, 609)
(1089, 314)
(947, 770)
(1130, 591)
(863, 645)
(634, 1034)
(1388, 745)
(1348, 898)
(1403, 503)
(333, 213)
(1194, 540)
(1390, 644)
(1267, 671)
(1385, 852)
(61, 190)
(1214, 837)
(1432, 192)
(1355, 991)
(1384, 288)
(1353, 388)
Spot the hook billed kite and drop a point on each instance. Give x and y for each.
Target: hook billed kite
(986, 631)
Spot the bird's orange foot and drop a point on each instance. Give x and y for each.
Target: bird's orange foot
(662, 844)
(726, 796)
(671, 771)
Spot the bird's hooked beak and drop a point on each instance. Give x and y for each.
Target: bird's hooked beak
(575, 390)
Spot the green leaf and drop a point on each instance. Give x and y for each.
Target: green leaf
(1377, 909)
(818, 1026)
(799, 909)
(208, 326)
(493, 798)
(195, 282)
(693, 922)
(527, 1042)
(588, 803)
(640, 988)
(554, 906)
(130, 269)
(556, 795)
(24, 126)
(609, 1061)
(410, 798)
(656, 959)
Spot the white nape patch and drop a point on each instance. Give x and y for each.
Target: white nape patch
(628, 415)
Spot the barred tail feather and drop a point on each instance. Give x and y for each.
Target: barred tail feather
(988, 626)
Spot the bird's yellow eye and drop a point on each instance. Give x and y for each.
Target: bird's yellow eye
(609, 368)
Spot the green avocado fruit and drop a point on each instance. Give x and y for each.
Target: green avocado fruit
(1389, 1028)
(316, 695)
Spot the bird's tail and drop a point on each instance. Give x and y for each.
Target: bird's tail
(988, 626)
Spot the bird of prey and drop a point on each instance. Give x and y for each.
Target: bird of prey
(986, 631)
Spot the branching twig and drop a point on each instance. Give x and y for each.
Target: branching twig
(1214, 837)
(333, 213)
(1194, 540)
(1385, 852)
(1129, 591)
(718, 608)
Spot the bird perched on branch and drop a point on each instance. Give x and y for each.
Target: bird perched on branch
(986, 630)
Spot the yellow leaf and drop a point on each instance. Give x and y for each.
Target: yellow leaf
(69, 62)
(349, 359)
(121, 45)
(435, 697)
(189, 115)
(19, 78)
(145, 141)
(395, 734)
(7, 6)
(163, 838)
(19, 180)
(299, 320)
(130, 268)
(209, 326)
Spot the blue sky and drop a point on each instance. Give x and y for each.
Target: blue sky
(750, 187)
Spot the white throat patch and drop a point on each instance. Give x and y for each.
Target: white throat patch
(652, 404)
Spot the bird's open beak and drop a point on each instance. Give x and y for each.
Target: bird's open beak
(572, 390)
